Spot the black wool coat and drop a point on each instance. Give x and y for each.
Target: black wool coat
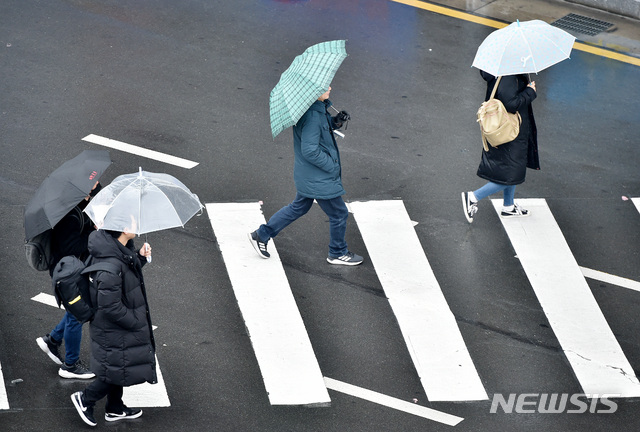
(507, 164)
(122, 343)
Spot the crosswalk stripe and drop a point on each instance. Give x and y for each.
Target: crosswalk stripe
(391, 402)
(285, 356)
(575, 317)
(147, 395)
(4, 399)
(429, 327)
(610, 279)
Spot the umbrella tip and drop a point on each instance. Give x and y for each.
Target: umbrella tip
(518, 21)
(140, 171)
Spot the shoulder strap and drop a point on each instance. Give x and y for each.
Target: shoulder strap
(102, 266)
(495, 87)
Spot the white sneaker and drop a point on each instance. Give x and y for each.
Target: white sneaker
(516, 212)
(470, 207)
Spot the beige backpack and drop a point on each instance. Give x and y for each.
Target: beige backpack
(497, 125)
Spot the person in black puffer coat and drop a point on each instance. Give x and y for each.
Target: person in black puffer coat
(122, 343)
(505, 166)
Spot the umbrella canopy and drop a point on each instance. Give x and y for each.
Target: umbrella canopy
(306, 79)
(523, 47)
(143, 202)
(62, 190)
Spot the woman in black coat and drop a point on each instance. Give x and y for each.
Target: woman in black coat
(505, 166)
(122, 343)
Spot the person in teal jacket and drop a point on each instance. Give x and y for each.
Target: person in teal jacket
(317, 174)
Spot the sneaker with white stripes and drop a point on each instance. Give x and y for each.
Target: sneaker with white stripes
(516, 212)
(125, 414)
(258, 245)
(85, 412)
(50, 347)
(470, 207)
(349, 259)
(76, 371)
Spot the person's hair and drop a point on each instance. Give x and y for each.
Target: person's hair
(114, 234)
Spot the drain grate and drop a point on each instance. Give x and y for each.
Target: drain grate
(582, 24)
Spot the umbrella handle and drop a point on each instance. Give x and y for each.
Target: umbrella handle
(146, 245)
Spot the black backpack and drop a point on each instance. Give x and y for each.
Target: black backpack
(71, 284)
(38, 251)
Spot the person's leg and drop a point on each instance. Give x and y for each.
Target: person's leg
(509, 208)
(57, 334)
(95, 391)
(338, 213)
(115, 409)
(84, 401)
(283, 217)
(50, 343)
(114, 399)
(470, 199)
(72, 368)
(488, 189)
(72, 339)
(508, 194)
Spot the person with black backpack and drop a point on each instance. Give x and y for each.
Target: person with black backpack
(122, 343)
(69, 237)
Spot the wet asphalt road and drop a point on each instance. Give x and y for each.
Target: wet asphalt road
(192, 79)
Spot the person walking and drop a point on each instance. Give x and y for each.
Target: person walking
(122, 343)
(69, 237)
(505, 166)
(317, 176)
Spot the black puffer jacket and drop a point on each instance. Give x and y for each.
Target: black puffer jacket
(122, 344)
(507, 164)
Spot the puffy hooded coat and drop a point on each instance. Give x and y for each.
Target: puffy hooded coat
(122, 344)
(317, 172)
(507, 164)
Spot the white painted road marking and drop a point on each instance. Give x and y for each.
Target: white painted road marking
(4, 399)
(147, 395)
(429, 327)
(610, 279)
(47, 299)
(287, 362)
(141, 395)
(576, 319)
(150, 154)
(391, 402)
(636, 202)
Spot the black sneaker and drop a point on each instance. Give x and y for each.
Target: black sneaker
(516, 212)
(86, 413)
(127, 413)
(470, 207)
(75, 371)
(350, 259)
(258, 245)
(50, 348)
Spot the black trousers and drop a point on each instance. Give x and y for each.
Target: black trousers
(98, 390)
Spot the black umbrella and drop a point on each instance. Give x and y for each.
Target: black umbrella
(62, 190)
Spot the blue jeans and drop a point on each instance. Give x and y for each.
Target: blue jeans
(335, 208)
(490, 188)
(69, 329)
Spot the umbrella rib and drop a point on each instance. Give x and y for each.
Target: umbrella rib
(533, 60)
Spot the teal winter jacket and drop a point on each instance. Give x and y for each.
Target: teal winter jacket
(317, 172)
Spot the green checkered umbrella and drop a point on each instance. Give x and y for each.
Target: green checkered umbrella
(303, 82)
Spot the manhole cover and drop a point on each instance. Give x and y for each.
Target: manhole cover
(582, 24)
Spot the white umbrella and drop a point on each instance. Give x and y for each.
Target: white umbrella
(523, 47)
(143, 202)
